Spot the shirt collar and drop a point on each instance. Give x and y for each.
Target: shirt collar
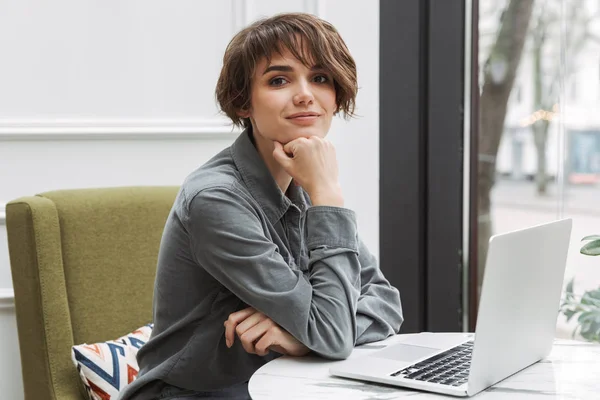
(260, 182)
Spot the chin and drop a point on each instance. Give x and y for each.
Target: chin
(306, 132)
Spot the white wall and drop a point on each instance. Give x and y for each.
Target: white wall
(112, 93)
(357, 141)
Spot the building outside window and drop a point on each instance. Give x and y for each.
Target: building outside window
(543, 157)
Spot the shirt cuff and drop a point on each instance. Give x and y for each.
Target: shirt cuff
(331, 227)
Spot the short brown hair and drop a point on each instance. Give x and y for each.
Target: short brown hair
(298, 33)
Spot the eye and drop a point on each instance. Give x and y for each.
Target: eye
(321, 79)
(279, 81)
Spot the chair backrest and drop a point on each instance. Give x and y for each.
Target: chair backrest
(83, 265)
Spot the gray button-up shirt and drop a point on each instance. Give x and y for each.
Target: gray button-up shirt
(234, 240)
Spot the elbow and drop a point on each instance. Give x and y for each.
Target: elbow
(338, 347)
(399, 317)
(331, 335)
(337, 352)
(343, 339)
(399, 323)
(343, 352)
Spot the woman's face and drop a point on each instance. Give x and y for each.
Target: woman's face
(289, 100)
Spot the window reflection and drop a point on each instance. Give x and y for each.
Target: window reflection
(539, 133)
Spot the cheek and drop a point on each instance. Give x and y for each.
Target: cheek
(266, 109)
(328, 101)
(266, 103)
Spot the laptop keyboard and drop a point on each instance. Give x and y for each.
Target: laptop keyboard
(448, 368)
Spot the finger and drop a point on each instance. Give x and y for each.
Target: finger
(272, 337)
(291, 148)
(249, 323)
(231, 323)
(280, 155)
(261, 347)
(255, 333)
(278, 349)
(317, 139)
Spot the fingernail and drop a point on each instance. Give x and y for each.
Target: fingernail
(228, 343)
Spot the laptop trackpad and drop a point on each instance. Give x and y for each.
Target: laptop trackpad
(405, 352)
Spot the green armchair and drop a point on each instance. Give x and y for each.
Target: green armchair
(83, 265)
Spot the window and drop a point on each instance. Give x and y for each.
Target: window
(557, 171)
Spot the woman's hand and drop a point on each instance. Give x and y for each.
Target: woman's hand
(259, 334)
(312, 163)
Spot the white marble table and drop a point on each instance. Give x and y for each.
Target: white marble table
(572, 371)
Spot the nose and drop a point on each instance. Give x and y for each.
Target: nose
(304, 95)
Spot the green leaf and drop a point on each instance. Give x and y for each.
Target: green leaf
(591, 248)
(569, 289)
(569, 314)
(591, 237)
(591, 331)
(590, 299)
(589, 317)
(594, 294)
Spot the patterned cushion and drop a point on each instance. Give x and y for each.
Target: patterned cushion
(106, 368)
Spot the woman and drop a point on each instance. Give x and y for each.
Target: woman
(259, 257)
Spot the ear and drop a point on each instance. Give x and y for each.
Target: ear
(243, 113)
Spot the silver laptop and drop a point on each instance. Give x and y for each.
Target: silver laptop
(516, 322)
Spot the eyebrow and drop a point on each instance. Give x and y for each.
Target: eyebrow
(287, 68)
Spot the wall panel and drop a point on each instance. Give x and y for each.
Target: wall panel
(98, 94)
(128, 59)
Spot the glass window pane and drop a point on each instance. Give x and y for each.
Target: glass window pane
(539, 138)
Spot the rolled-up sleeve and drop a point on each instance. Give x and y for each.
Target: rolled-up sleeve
(318, 308)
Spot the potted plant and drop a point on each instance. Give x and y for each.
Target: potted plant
(587, 306)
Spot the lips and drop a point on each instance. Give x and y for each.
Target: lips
(303, 115)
